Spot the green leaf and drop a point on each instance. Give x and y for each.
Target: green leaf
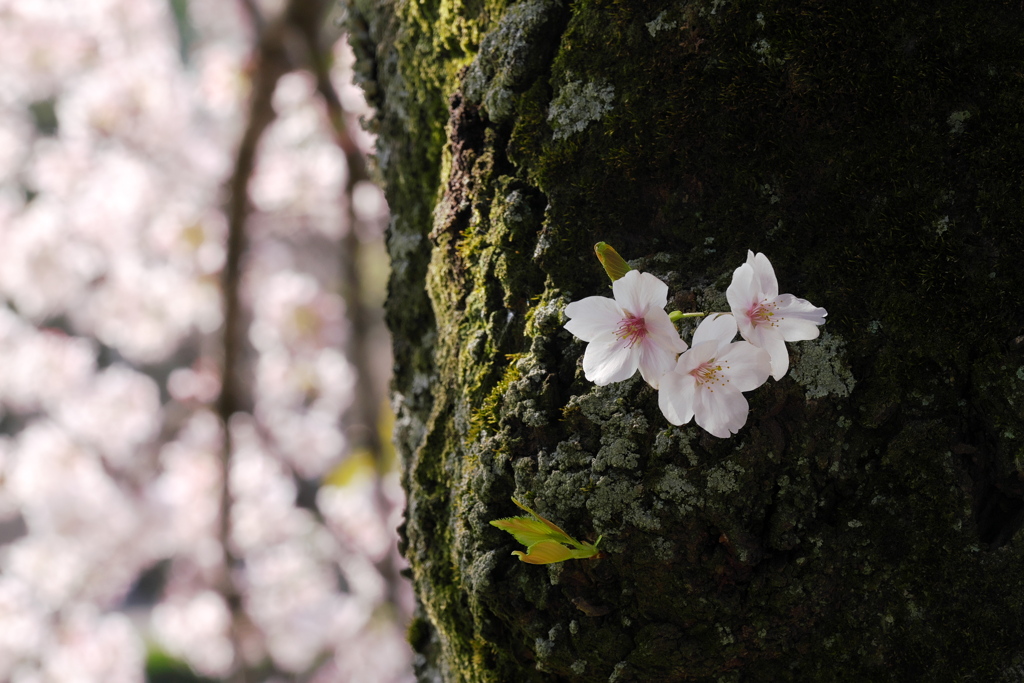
(528, 531)
(613, 264)
(545, 552)
(554, 528)
(545, 542)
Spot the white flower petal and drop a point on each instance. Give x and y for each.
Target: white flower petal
(721, 412)
(595, 318)
(796, 329)
(663, 332)
(748, 366)
(607, 362)
(798, 318)
(676, 396)
(742, 294)
(615, 352)
(720, 328)
(637, 293)
(764, 275)
(660, 347)
(697, 356)
(776, 348)
(655, 361)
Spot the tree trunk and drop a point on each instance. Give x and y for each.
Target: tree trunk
(864, 524)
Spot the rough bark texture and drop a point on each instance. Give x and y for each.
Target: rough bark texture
(864, 525)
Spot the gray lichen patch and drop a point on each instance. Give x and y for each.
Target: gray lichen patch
(620, 424)
(675, 487)
(565, 487)
(616, 453)
(545, 647)
(712, 300)
(547, 317)
(820, 367)
(577, 105)
(713, 7)
(609, 501)
(675, 443)
(722, 480)
(763, 49)
(597, 477)
(957, 120)
(659, 24)
(607, 402)
(403, 244)
(512, 55)
(663, 549)
(617, 450)
(520, 399)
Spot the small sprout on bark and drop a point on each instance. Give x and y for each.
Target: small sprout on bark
(545, 542)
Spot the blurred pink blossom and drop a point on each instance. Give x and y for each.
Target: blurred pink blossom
(116, 141)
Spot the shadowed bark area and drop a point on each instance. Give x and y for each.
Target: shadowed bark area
(864, 525)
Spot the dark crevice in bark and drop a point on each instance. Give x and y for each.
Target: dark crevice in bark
(466, 140)
(996, 485)
(998, 497)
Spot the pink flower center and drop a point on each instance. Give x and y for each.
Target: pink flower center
(632, 329)
(763, 313)
(709, 373)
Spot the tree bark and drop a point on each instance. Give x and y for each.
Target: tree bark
(864, 524)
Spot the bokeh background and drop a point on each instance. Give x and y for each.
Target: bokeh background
(170, 169)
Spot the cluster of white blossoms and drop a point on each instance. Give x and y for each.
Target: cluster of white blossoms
(704, 381)
(120, 123)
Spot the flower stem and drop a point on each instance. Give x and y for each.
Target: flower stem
(676, 316)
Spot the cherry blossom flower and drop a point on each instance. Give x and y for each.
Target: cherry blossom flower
(628, 332)
(766, 318)
(708, 380)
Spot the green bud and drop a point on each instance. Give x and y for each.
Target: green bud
(613, 264)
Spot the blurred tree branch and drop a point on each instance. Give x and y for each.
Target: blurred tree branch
(364, 415)
(270, 62)
(288, 42)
